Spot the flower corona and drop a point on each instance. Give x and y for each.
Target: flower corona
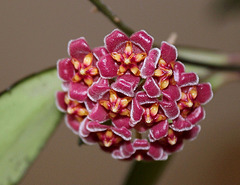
(135, 101)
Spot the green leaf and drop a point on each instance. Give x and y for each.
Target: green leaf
(28, 116)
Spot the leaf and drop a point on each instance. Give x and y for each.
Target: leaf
(28, 116)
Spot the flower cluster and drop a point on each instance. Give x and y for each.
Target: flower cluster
(135, 101)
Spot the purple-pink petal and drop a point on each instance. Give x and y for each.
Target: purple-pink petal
(142, 39)
(123, 133)
(83, 131)
(98, 113)
(72, 123)
(182, 78)
(89, 104)
(151, 88)
(141, 144)
(78, 48)
(170, 108)
(136, 112)
(193, 133)
(65, 69)
(121, 121)
(143, 98)
(94, 126)
(61, 105)
(107, 67)
(78, 91)
(181, 124)
(172, 92)
(168, 52)
(159, 130)
(127, 150)
(126, 84)
(204, 93)
(98, 89)
(114, 40)
(99, 52)
(174, 148)
(157, 153)
(197, 115)
(150, 63)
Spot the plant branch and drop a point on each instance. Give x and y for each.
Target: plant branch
(112, 17)
(205, 58)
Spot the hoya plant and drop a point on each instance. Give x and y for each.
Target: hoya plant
(136, 99)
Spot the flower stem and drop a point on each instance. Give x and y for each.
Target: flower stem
(192, 56)
(145, 172)
(112, 17)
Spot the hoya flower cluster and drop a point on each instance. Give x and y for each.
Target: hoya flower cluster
(135, 101)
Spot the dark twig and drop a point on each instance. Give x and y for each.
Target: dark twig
(112, 17)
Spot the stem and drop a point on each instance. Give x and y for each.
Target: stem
(145, 172)
(208, 59)
(219, 79)
(112, 17)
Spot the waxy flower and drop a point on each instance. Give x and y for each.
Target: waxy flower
(135, 101)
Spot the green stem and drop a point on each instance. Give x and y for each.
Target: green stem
(220, 79)
(145, 172)
(206, 58)
(112, 17)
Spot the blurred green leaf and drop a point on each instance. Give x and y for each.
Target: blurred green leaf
(28, 116)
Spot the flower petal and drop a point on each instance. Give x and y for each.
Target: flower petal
(121, 121)
(143, 98)
(123, 133)
(205, 93)
(170, 108)
(143, 40)
(180, 124)
(141, 144)
(78, 91)
(136, 112)
(197, 115)
(193, 133)
(94, 126)
(126, 84)
(89, 104)
(99, 52)
(174, 148)
(83, 131)
(107, 67)
(151, 88)
(172, 92)
(72, 123)
(60, 102)
(182, 78)
(98, 89)
(78, 48)
(168, 52)
(98, 113)
(127, 150)
(114, 40)
(65, 69)
(159, 130)
(150, 63)
(157, 152)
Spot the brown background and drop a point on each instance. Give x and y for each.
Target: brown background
(34, 34)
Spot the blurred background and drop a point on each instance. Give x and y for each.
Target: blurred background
(34, 34)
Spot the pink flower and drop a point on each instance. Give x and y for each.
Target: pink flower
(135, 101)
(125, 54)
